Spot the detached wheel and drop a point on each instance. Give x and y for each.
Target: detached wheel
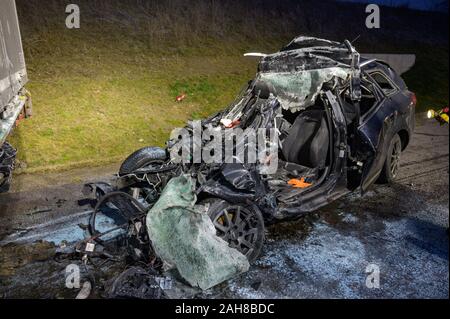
(392, 163)
(141, 158)
(240, 225)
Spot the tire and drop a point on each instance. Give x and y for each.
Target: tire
(7, 161)
(243, 230)
(392, 162)
(141, 158)
(5, 186)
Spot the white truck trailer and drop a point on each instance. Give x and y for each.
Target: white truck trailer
(15, 101)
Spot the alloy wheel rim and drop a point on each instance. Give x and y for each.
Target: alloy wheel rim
(395, 158)
(239, 227)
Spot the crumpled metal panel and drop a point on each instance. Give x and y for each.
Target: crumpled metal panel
(184, 237)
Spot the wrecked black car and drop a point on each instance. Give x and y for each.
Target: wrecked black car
(339, 121)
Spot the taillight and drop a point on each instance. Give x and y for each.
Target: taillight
(414, 99)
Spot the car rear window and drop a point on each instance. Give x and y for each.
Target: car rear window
(384, 83)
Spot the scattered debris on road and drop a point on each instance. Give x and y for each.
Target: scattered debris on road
(136, 283)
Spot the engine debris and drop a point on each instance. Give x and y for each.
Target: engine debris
(136, 283)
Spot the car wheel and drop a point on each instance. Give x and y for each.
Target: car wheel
(240, 225)
(4, 184)
(392, 163)
(141, 158)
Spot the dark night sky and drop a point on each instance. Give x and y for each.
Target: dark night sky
(434, 5)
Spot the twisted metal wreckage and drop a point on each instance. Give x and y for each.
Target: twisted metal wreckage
(207, 219)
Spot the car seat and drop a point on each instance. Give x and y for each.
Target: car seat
(308, 140)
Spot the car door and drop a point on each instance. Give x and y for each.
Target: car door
(377, 127)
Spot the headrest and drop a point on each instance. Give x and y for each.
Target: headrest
(263, 89)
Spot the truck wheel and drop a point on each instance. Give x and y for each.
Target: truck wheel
(7, 160)
(392, 163)
(4, 184)
(240, 225)
(141, 158)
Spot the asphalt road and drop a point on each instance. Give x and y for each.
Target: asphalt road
(390, 243)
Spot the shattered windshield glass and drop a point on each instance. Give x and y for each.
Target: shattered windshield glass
(298, 90)
(294, 90)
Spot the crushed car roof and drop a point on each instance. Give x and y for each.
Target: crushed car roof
(307, 53)
(296, 74)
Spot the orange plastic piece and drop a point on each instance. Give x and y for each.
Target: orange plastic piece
(299, 183)
(180, 97)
